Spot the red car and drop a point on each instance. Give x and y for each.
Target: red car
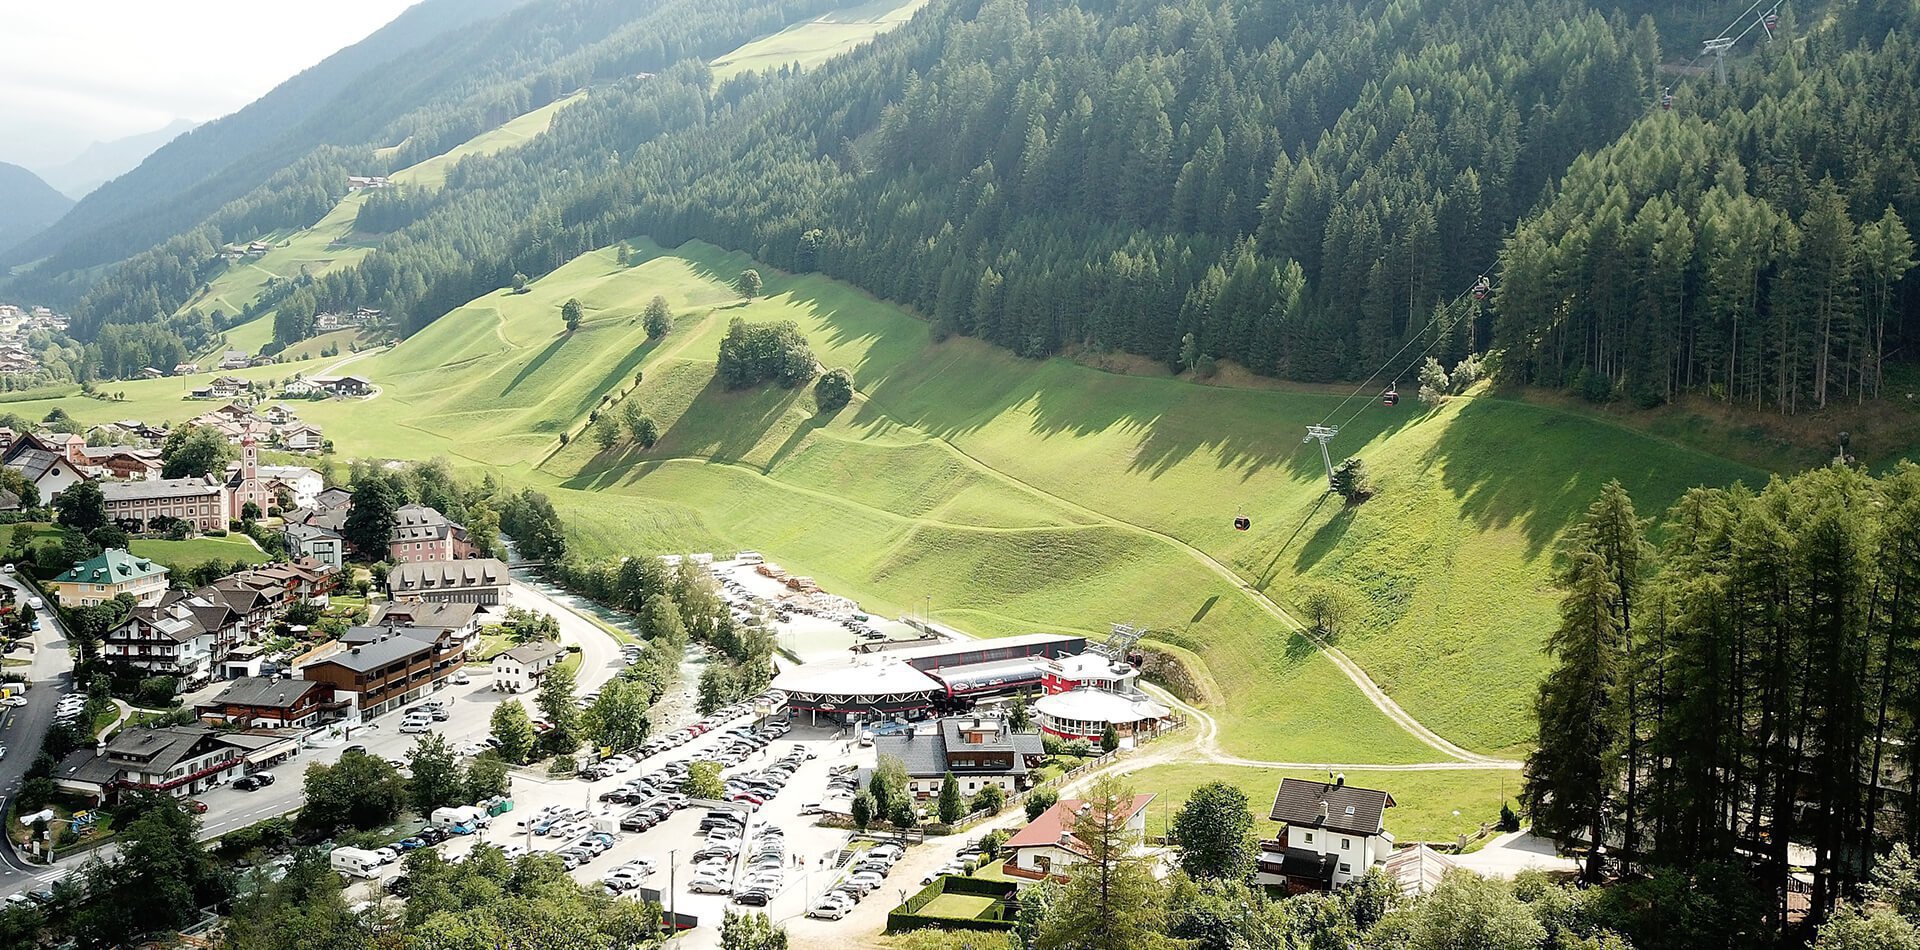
(197, 806)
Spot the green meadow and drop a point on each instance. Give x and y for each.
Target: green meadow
(1013, 495)
(815, 41)
(1432, 806)
(182, 554)
(432, 172)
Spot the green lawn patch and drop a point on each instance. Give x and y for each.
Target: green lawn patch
(817, 40)
(959, 907)
(177, 555)
(1426, 801)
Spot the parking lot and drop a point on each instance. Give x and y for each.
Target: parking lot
(772, 845)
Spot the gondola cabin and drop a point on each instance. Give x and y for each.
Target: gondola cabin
(1390, 398)
(1242, 523)
(1483, 289)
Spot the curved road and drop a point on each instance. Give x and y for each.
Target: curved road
(23, 727)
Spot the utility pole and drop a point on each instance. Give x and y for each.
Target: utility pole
(1717, 48)
(1325, 434)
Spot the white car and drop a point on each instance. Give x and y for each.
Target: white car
(829, 909)
(15, 700)
(35, 602)
(710, 885)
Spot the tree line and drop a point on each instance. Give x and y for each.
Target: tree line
(1746, 685)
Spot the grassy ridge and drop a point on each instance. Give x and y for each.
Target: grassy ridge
(432, 172)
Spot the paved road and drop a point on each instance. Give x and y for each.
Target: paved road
(23, 728)
(599, 653)
(227, 808)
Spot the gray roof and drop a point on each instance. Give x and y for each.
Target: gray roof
(34, 463)
(420, 523)
(925, 756)
(424, 613)
(532, 652)
(375, 633)
(157, 750)
(378, 653)
(1358, 811)
(262, 691)
(142, 489)
(423, 576)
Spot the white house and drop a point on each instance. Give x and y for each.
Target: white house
(1333, 833)
(1046, 847)
(519, 669)
(303, 483)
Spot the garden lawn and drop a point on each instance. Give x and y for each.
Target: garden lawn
(1424, 802)
(177, 555)
(959, 907)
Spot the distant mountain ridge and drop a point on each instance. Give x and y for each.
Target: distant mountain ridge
(102, 162)
(27, 204)
(190, 176)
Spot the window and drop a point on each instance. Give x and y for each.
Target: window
(1309, 837)
(1346, 868)
(1346, 843)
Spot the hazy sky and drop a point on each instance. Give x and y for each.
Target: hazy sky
(74, 72)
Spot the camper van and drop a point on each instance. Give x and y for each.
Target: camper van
(461, 820)
(355, 862)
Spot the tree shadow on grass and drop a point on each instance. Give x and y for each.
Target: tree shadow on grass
(533, 365)
(1323, 540)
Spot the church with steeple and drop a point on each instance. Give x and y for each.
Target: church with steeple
(245, 484)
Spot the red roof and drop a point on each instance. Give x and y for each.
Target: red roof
(1051, 827)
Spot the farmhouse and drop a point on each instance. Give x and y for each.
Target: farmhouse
(1331, 833)
(268, 702)
(421, 533)
(344, 385)
(979, 752)
(199, 502)
(519, 669)
(473, 581)
(1046, 847)
(108, 575)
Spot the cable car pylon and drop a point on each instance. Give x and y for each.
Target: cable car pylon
(1325, 434)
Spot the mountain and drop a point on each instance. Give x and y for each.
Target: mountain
(104, 161)
(177, 186)
(27, 204)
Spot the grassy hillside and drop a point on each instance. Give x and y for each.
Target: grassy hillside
(1429, 806)
(432, 173)
(817, 40)
(1023, 495)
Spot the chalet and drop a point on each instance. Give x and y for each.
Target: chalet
(300, 387)
(1046, 848)
(979, 752)
(182, 637)
(365, 182)
(302, 437)
(258, 247)
(300, 579)
(152, 373)
(388, 668)
(185, 369)
(1331, 833)
(421, 533)
(270, 702)
(344, 386)
(519, 669)
(474, 581)
(175, 760)
(121, 462)
(138, 505)
(234, 359)
(333, 498)
(108, 575)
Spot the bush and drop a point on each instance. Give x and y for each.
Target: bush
(754, 353)
(563, 765)
(157, 691)
(834, 390)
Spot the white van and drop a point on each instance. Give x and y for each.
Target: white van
(411, 726)
(355, 862)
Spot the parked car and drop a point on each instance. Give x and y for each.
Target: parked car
(194, 805)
